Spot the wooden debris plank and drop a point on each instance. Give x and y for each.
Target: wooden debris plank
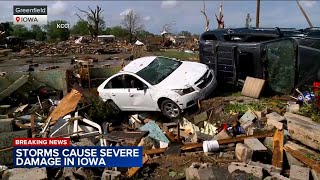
(304, 155)
(154, 151)
(242, 138)
(277, 154)
(132, 171)
(252, 87)
(67, 104)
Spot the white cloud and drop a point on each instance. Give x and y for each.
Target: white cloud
(58, 8)
(125, 12)
(147, 18)
(308, 3)
(168, 4)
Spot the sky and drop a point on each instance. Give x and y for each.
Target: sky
(184, 15)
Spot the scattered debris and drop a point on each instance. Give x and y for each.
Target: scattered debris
(25, 173)
(307, 156)
(199, 171)
(155, 132)
(66, 105)
(299, 173)
(224, 134)
(304, 130)
(243, 152)
(110, 175)
(14, 86)
(254, 144)
(224, 130)
(132, 171)
(254, 170)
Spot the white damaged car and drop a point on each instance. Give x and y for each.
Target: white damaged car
(157, 83)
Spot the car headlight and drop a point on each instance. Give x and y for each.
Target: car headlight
(182, 92)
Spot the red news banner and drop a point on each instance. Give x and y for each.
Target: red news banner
(41, 142)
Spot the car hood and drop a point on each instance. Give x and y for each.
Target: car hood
(184, 76)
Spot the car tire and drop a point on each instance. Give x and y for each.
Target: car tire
(170, 109)
(113, 105)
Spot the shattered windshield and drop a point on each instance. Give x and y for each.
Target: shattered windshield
(158, 70)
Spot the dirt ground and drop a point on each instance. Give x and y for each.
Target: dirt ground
(15, 63)
(12, 64)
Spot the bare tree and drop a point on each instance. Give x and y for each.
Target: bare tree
(94, 19)
(203, 11)
(133, 23)
(168, 27)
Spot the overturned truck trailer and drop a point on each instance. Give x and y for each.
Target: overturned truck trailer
(285, 58)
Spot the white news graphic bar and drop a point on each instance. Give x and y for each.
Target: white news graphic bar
(30, 19)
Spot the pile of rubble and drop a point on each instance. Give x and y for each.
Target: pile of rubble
(265, 144)
(70, 47)
(86, 45)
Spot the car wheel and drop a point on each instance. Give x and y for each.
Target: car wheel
(114, 107)
(170, 109)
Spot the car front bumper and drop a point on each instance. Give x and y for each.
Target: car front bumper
(191, 99)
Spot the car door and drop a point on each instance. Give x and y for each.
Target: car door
(139, 95)
(117, 91)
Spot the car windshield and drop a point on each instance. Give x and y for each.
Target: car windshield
(158, 69)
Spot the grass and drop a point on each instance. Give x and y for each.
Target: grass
(243, 108)
(178, 55)
(236, 94)
(310, 111)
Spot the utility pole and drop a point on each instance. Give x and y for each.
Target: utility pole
(258, 14)
(304, 14)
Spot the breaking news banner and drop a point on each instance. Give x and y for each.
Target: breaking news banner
(57, 152)
(30, 15)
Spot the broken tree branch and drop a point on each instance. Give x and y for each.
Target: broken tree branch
(203, 11)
